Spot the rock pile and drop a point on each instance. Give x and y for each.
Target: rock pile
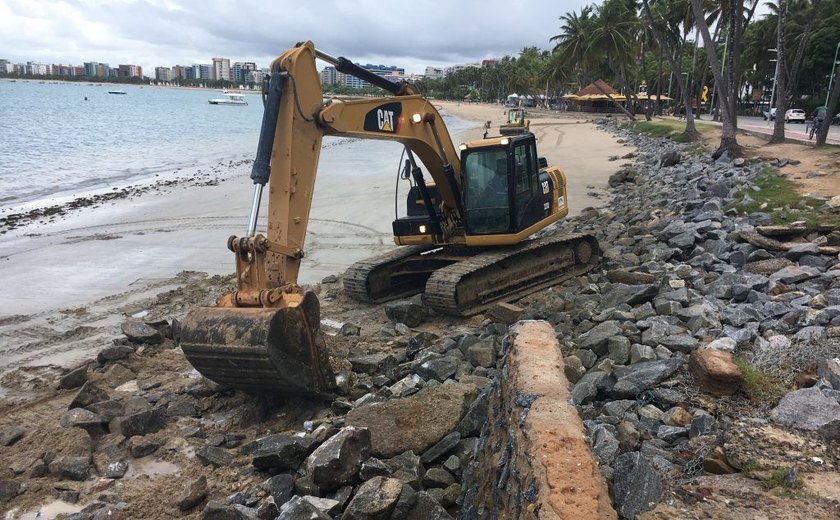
(393, 445)
(687, 282)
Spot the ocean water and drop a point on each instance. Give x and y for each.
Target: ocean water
(53, 142)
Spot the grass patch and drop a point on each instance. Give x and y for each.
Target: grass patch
(778, 197)
(778, 478)
(761, 388)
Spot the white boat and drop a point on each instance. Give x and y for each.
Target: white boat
(231, 99)
(116, 92)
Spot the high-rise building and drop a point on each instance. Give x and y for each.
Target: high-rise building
(163, 74)
(90, 68)
(202, 71)
(6, 67)
(329, 76)
(392, 73)
(179, 72)
(36, 69)
(239, 70)
(221, 69)
(103, 70)
(255, 77)
(130, 71)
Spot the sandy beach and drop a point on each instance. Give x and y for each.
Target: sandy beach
(95, 265)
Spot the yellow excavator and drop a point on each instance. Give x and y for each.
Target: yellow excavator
(465, 234)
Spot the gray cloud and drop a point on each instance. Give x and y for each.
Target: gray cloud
(166, 32)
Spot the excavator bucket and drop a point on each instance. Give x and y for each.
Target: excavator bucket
(260, 350)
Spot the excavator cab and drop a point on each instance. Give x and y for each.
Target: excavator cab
(504, 190)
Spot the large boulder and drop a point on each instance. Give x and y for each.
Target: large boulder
(715, 372)
(374, 500)
(413, 423)
(405, 311)
(636, 486)
(339, 458)
(633, 379)
(809, 409)
(283, 452)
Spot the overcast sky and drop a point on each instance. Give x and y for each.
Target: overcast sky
(411, 34)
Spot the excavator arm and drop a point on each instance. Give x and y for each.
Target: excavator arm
(264, 335)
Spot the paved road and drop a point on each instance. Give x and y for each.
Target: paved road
(792, 130)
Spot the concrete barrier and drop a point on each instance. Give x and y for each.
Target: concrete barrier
(533, 460)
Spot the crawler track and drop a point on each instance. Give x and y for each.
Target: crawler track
(466, 285)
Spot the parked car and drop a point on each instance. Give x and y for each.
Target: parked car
(771, 115)
(795, 115)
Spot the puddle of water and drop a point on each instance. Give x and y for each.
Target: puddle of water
(47, 511)
(151, 468)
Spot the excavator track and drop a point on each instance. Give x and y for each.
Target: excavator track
(396, 274)
(474, 284)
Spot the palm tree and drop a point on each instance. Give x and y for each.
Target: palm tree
(575, 44)
(781, 99)
(665, 34)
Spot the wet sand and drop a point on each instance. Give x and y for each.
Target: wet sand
(68, 282)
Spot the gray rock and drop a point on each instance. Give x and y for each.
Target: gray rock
(813, 334)
(87, 395)
(377, 363)
(794, 274)
(328, 506)
(113, 353)
(587, 388)
(701, 425)
(829, 370)
(73, 379)
(115, 469)
(604, 445)
(617, 408)
(299, 508)
(283, 452)
(426, 508)
(81, 418)
(629, 294)
(437, 478)
(669, 158)
(473, 421)
(482, 355)
(213, 456)
(597, 337)
(631, 380)
(11, 434)
(9, 489)
(441, 448)
(142, 423)
(439, 369)
(373, 467)
(636, 486)
(671, 434)
(339, 458)
(406, 312)
(407, 468)
(142, 446)
(374, 500)
(639, 353)
(797, 251)
(619, 349)
(138, 332)
(280, 487)
(71, 468)
(809, 409)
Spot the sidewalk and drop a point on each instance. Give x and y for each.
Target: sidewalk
(762, 129)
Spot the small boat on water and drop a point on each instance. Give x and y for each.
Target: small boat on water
(123, 92)
(231, 99)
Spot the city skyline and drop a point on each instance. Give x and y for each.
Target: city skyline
(166, 32)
